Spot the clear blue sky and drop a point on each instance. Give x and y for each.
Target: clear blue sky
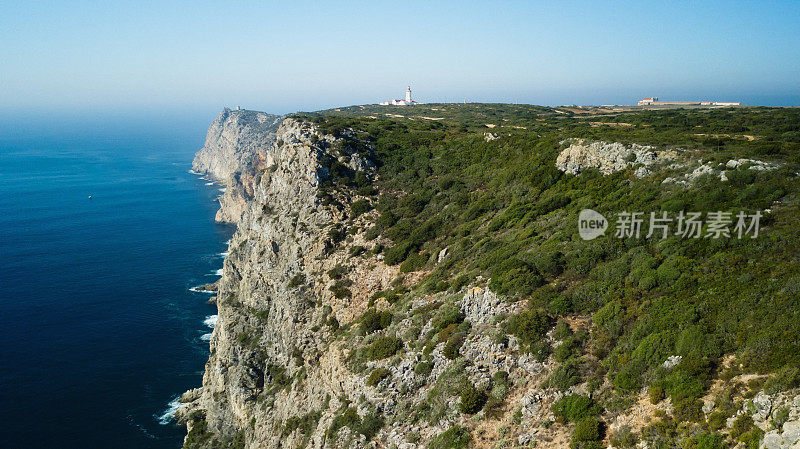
(288, 56)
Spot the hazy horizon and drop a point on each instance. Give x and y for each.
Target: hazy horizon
(286, 57)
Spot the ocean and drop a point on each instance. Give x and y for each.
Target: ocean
(100, 330)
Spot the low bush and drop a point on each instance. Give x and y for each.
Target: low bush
(377, 375)
(588, 434)
(423, 368)
(384, 347)
(455, 437)
(624, 438)
(575, 407)
(373, 321)
(656, 394)
(566, 375)
(451, 348)
(530, 325)
(414, 262)
(472, 399)
(360, 207)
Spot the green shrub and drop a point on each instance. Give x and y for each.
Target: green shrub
(472, 400)
(568, 348)
(515, 277)
(656, 394)
(370, 425)
(396, 254)
(338, 271)
(687, 409)
(786, 378)
(451, 348)
(575, 407)
(741, 425)
(384, 347)
(540, 350)
(587, 434)
(305, 424)
(624, 438)
(348, 417)
(360, 207)
(455, 437)
(414, 262)
(562, 330)
(529, 326)
(500, 385)
(423, 368)
(779, 417)
(377, 375)
(710, 441)
(337, 234)
(566, 375)
(373, 321)
(447, 315)
(340, 290)
(717, 420)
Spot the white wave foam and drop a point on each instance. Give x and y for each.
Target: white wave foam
(211, 321)
(200, 290)
(223, 189)
(218, 272)
(206, 337)
(225, 254)
(209, 183)
(169, 414)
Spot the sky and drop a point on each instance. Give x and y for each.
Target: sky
(288, 56)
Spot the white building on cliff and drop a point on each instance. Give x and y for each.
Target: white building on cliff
(407, 102)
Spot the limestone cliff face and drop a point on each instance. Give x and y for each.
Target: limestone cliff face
(272, 294)
(235, 145)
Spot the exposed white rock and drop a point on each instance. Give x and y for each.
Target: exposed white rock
(610, 157)
(672, 361)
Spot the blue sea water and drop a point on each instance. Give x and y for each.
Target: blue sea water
(98, 328)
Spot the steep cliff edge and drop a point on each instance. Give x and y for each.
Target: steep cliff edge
(275, 310)
(233, 152)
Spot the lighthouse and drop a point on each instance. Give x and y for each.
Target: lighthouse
(407, 102)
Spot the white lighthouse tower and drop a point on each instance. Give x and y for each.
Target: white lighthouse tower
(406, 102)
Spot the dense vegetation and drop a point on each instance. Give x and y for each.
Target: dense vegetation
(503, 211)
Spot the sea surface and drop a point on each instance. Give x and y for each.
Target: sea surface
(99, 330)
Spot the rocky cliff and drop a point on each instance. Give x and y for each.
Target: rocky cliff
(233, 152)
(320, 343)
(275, 308)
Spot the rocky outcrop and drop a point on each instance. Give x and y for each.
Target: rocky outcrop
(609, 157)
(234, 150)
(232, 142)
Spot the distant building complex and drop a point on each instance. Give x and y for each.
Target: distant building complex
(407, 102)
(654, 101)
